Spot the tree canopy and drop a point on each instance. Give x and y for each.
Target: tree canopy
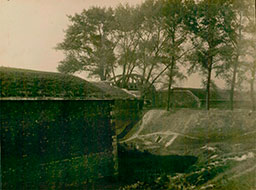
(158, 37)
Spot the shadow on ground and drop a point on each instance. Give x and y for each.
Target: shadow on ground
(143, 166)
(137, 166)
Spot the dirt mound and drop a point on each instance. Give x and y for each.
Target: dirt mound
(39, 84)
(224, 142)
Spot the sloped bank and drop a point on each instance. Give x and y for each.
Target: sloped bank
(223, 141)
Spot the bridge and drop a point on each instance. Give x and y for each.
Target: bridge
(132, 82)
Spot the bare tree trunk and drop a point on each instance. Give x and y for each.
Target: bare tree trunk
(150, 72)
(253, 71)
(123, 75)
(113, 72)
(170, 84)
(252, 88)
(128, 75)
(233, 82)
(169, 93)
(159, 74)
(102, 74)
(208, 87)
(209, 59)
(152, 67)
(143, 73)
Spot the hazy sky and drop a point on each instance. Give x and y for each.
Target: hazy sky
(30, 29)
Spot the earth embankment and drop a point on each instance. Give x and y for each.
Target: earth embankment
(223, 141)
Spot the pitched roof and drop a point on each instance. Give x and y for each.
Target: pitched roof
(37, 84)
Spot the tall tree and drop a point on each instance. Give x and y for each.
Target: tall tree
(247, 70)
(212, 24)
(173, 13)
(87, 45)
(241, 10)
(253, 70)
(127, 24)
(251, 63)
(151, 39)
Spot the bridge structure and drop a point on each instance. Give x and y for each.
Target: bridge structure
(137, 85)
(131, 82)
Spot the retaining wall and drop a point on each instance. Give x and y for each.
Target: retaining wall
(55, 143)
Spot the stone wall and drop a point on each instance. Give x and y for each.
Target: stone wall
(126, 114)
(55, 143)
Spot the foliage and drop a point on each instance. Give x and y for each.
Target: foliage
(249, 65)
(128, 39)
(87, 44)
(212, 24)
(151, 40)
(176, 37)
(239, 41)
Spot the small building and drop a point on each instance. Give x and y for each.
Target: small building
(56, 129)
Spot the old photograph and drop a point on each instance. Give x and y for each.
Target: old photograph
(128, 94)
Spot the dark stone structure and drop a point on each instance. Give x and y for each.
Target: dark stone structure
(56, 130)
(47, 141)
(138, 86)
(179, 99)
(196, 98)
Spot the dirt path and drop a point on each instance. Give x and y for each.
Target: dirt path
(145, 121)
(154, 115)
(182, 131)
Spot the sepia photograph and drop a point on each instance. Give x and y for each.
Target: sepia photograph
(128, 94)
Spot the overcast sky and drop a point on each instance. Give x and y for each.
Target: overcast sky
(30, 29)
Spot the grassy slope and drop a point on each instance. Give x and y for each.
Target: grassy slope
(223, 141)
(29, 83)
